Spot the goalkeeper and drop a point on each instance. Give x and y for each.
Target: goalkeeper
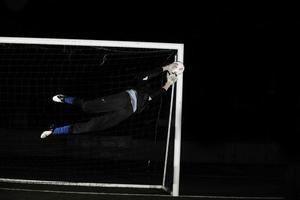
(116, 107)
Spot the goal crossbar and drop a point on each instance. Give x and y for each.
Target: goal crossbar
(102, 43)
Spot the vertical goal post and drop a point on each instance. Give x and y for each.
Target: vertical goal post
(177, 90)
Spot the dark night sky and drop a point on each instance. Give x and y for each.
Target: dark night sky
(236, 83)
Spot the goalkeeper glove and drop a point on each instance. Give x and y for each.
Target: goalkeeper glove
(171, 78)
(175, 68)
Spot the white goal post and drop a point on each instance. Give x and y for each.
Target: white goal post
(178, 104)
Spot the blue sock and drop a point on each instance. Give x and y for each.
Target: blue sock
(69, 100)
(62, 130)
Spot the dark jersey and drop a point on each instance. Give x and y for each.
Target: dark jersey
(144, 93)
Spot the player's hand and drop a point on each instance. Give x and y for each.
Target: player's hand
(175, 68)
(171, 78)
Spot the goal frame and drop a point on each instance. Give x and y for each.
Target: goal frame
(178, 106)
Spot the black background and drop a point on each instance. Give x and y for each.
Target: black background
(240, 83)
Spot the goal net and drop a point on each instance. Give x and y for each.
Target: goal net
(137, 153)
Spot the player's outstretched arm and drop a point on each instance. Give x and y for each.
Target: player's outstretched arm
(171, 79)
(173, 68)
(145, 76)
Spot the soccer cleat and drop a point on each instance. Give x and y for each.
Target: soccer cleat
(47, 132)
(59, 98)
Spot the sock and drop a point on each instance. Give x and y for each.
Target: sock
(62, 130)
(69, 100)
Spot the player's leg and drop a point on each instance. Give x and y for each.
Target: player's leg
(104, 104)
(99, 123)
(60, 98)
(64, 130)
(102, 122)
(109, 103)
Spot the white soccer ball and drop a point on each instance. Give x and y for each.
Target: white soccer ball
(178, 69)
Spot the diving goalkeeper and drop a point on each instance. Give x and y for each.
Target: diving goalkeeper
(117, 107)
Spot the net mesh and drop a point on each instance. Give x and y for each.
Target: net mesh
(131, 152)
